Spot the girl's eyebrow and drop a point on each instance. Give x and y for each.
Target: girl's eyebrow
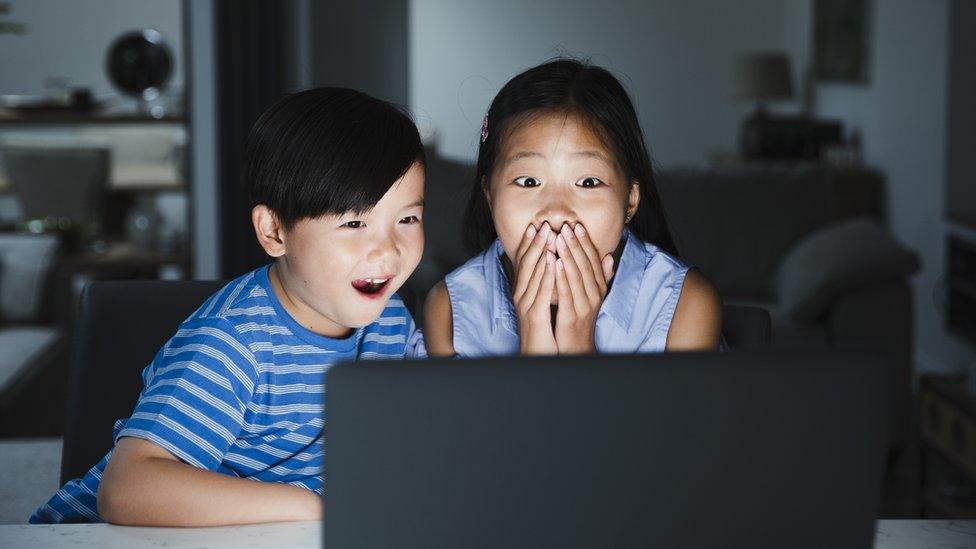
(415, 204)
(525, 154)
(533, 154)
(591, 154)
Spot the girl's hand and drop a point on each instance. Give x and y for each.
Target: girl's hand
(532, 293)
(581, 284)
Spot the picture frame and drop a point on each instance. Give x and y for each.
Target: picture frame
(841, 36)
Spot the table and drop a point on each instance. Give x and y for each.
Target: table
(891, 534)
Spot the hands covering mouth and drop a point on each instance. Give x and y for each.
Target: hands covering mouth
(563, 264)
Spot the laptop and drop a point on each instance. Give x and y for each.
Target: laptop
(774, 448)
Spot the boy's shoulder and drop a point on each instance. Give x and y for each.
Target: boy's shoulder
(241, 309)
(244, 310)
(240, 301)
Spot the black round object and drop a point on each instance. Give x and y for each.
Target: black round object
(139, 63)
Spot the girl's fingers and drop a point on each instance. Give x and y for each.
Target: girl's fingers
(578, 267)
(573, 275)
(527, 238)
(543, 297)
(607, 265)
(535, 242)
(532, 283)
(562, 289)
(592, 254)
(528, 261)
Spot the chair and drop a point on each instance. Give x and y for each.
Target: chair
(746, 327)
(119, 328)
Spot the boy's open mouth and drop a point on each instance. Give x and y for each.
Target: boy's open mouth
(371, 286)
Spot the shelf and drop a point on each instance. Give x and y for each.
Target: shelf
(70, 117)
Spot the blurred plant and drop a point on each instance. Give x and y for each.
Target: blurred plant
(75, 236)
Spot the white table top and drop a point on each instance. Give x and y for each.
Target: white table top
(891, 534)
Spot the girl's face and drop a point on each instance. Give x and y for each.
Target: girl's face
(554, 168)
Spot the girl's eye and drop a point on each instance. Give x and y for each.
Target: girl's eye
(590, 182)
(527, 181)
(353, 224)
(410, 219)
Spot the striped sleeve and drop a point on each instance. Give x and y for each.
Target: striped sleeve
(196, 392)
(416, 345)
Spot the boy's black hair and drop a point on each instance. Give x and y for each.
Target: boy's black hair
(327, 151)
(591, 92)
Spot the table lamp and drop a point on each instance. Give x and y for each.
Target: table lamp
(759, 77)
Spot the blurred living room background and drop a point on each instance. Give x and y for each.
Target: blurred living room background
(815, 158)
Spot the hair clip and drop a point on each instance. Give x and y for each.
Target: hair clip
(484, 129)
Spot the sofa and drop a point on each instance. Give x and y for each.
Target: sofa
(32, 338)
(810, 245)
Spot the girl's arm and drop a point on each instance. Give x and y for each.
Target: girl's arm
(145, 485)
(697, 321)
(438, 322)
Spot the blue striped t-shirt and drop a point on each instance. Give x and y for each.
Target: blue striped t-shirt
(239, 390)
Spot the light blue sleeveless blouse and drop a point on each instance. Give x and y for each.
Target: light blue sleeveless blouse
(634, 318)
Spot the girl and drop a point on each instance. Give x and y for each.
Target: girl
(577, 255)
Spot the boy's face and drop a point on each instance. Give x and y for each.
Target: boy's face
(338, 271)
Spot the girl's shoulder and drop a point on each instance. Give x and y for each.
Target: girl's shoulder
(478, 277)
(654, 255)
(477, 265)
(697, 320)
(694, 305)
(647, 262)
(438, 321)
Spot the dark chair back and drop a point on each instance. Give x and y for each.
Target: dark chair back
(120, 325)
(745, 327)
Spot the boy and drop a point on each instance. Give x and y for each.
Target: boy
(236, 395)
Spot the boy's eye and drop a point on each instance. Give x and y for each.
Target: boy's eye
(410, 219)
(527, 181)
(353, 224)
(590, 182)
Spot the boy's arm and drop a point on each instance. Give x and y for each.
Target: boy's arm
(143, 484)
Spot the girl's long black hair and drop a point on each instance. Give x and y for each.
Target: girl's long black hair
(567, 85)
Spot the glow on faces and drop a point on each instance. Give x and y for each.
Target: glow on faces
(553, 167)
(330, 256)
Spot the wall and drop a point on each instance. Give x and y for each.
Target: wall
(675, 58)
(70, 39)
(901, 114)
(961, 163)
(361, 45)
(204, 168)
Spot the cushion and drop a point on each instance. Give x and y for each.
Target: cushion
(836, 259)
(25, 260)
(21, 347)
